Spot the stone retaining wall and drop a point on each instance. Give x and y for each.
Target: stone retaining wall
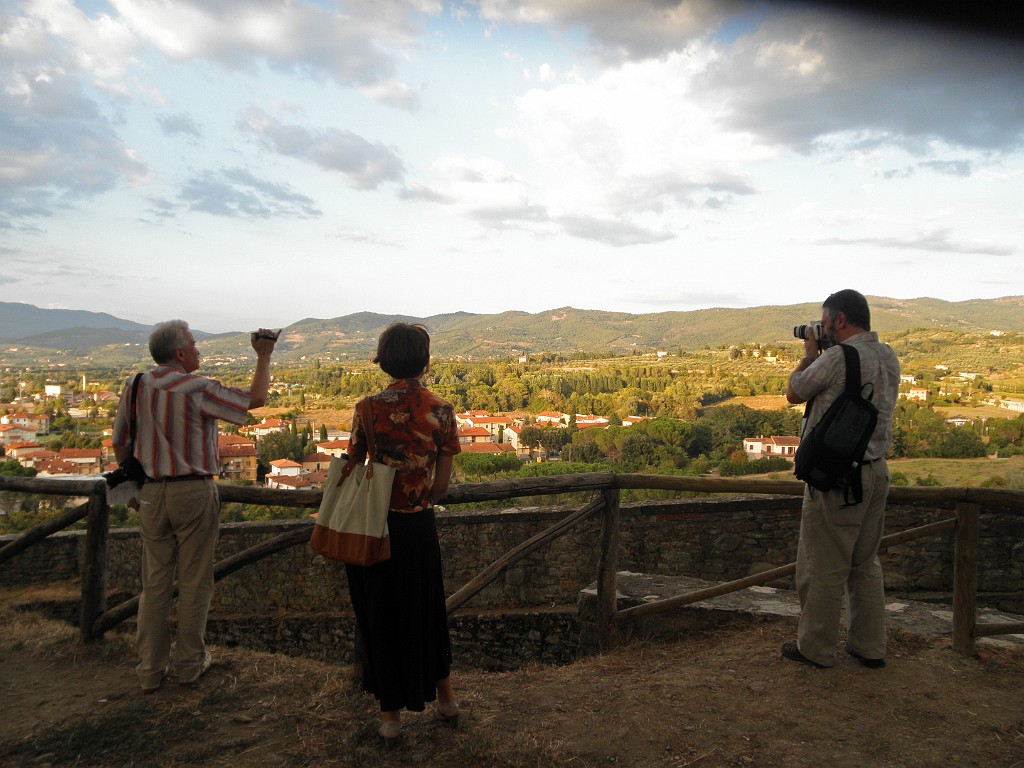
(489, 641)
(710, 539)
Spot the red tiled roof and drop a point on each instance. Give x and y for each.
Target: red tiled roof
(79, 453)
(230, 439)
(293, 481)
(488, 448)
(237, 450)
(313, 458)
(41, 455)
(343, 443)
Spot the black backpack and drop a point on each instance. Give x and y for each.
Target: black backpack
(830, 454)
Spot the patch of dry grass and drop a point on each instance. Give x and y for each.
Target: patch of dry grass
(718, 697)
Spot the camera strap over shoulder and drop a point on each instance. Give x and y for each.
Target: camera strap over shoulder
(854, 492)
(133, 414)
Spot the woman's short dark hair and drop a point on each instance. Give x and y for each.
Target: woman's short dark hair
(403, 350)
(852, 304)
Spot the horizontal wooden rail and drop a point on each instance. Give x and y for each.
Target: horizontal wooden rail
(709, 484)
(51, 486)
(271, 497)
(947, 495)
(528, 486)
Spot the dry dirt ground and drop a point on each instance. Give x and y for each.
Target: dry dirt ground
(721, 698)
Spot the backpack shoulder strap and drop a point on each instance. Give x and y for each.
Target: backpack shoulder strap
(852, 369)
(853, 381)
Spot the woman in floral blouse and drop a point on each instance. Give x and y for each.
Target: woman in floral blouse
(400, 603)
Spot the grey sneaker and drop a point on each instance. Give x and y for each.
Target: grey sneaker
(207, 663)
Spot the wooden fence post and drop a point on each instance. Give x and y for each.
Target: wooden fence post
(965, 577)
(94, 569)
(607, 565)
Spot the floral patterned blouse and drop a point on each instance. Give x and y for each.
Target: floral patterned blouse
(411, 426)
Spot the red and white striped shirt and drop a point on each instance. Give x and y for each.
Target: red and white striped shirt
(176, 432)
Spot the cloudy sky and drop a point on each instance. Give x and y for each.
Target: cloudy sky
(248, 162)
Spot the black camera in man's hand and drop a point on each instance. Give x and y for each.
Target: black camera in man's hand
(811, 331)
(129, 469)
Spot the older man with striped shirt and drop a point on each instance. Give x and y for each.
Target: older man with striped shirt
(179, 508)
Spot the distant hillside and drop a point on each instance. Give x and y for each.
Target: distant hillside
(567, 330)
(18, 321)
(564, 330)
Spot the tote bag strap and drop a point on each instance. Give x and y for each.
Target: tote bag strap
(366, 414)
(371, 445)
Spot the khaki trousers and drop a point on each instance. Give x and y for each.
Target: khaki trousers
(179, 527)
(837, 555)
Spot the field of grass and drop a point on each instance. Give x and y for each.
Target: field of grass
(758, 402)
(950, 472)
(965, 472)
(975, 412)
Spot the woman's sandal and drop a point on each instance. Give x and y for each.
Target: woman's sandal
(447, 712)
(390, 729)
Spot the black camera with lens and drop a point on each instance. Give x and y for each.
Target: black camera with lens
(812, 331)
(128, 470)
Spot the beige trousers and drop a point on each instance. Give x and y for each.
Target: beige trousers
(179, 527)
(838, 556)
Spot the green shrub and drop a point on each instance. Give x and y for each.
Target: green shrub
(899, 478)
(995, 481)
(755, 467)
(487, 463)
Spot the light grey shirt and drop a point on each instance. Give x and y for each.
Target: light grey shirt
(825, 378)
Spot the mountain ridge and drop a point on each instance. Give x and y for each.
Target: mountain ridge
(562, 330)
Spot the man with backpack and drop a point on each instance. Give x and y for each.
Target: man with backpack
(840, 528)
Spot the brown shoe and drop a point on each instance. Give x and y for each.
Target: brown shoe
(791, 651)
(866, 662)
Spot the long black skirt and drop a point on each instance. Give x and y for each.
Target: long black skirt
(401, 617)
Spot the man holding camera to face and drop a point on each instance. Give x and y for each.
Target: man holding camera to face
(175, 441)
(839, 537)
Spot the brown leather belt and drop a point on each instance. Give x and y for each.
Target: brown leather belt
(177, 479)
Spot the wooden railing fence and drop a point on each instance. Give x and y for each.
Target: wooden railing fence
(96, 619)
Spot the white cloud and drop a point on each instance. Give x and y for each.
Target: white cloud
(354, 45)
(181, 123)
(935, 241)
(619, 30)
(634, 141)
(364, 164)
(804, 76)
(236, 192)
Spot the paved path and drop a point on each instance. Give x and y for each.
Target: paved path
(922, 618)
